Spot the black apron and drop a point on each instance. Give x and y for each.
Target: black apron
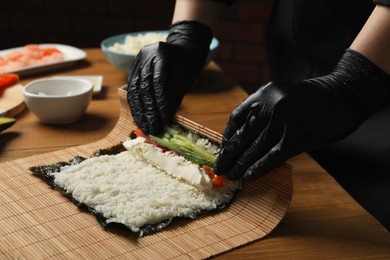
(305, 39)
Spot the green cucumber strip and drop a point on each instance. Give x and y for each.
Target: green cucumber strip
(166, 135)
(177, 141)
(196, 148)
(180, 143)
(184, 151)
(171, 131)
(165, 143)
(196, 159)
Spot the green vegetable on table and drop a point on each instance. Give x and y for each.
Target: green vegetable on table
(6, 122)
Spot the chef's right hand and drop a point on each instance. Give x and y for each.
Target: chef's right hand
(283, 119)
(164, 71)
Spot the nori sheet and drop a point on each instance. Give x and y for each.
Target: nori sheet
(43, 171)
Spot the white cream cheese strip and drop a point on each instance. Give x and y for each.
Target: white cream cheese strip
(170, 163)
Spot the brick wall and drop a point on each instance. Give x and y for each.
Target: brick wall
(84, 23)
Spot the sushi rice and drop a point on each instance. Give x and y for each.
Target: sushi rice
(143, 186)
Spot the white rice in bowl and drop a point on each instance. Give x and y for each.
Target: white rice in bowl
(133, 43)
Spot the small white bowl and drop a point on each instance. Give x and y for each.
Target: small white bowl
(58, 100)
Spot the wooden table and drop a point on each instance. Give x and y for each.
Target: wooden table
(323, 221)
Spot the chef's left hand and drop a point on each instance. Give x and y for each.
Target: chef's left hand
(163, 72)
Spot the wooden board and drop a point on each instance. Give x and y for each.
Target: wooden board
(37, 222)
(12, 101)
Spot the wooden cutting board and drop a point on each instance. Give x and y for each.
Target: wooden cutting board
(12, 101)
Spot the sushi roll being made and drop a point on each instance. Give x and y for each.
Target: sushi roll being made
(145, 182)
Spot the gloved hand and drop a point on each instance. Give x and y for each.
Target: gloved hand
(283, 119)
(164, 71)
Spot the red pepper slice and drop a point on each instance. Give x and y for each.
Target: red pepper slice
(216, 180)
(138, 133)
(7, 80)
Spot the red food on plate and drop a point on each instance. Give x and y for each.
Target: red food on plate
(29, 55)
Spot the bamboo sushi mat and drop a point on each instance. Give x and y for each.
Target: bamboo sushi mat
(37, 222)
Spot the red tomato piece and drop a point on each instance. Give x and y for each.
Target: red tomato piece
(7, 80)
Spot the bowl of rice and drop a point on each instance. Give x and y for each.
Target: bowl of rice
(121, 50)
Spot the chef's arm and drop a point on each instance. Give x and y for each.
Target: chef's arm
(203, 11)
(373, 41)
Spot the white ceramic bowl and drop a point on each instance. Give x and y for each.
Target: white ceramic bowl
(124, 62)
(58, 100)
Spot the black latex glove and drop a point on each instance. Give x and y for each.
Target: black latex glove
(283, 119)
(163, 72)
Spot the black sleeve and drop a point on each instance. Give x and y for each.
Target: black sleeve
(381, 2)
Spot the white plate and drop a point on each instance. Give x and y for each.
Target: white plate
(71, 55)
(97, 81)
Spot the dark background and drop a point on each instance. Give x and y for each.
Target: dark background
(85, 23)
